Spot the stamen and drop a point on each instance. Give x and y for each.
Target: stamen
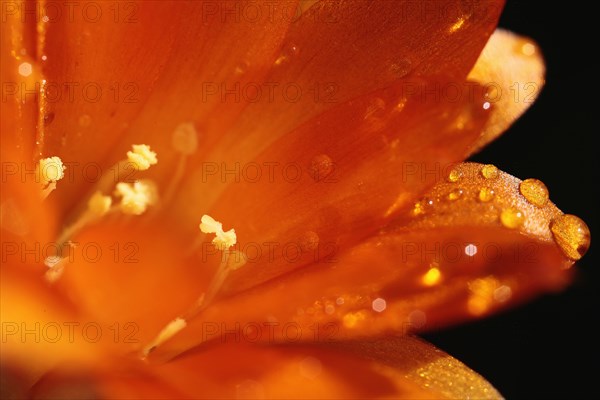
(165, 334)
(141, 157)
(223, 241)
(184, 142)
(98, 204)
(48, 172)
(136, 197)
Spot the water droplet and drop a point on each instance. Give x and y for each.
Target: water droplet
(242, 68)
(457, 25)
(48, 118)
(481, 294)
(422, 207)
(417, 318)
(528, 49)
(431, 277)
(339, 301)
(85, 121)
(44, 57)
(288, 52)
(572, 235)
(534, 191)
(375, 109)
(379, 304)
(401, 68)
(489, 171)
(512, 218)
(454, 176)
(320, 167)
(486, 194)
(309, 241)
(502, 294)
(25, 69)
(455, 194)
(352, 319)
(329, 309)
(310, 367)
(486, 105)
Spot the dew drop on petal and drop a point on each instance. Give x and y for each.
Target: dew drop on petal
(401, 68)
(454, 176)
(455, 194)
(486, 194)
(84, 121)
(528, 49)
(241, 68)
(320, 167)
(512, 218)
(417, 318)
(572, 235)
(432, 277)
(329, 309)
(489, 171)
(351, 319)
(310, 367)
(289, 51)
(534, 191)
(502, 294)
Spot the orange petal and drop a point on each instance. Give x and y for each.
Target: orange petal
(511, 67)
(400, 368)
(340, 176)
(453, 260)
(39, 327)
(130, 281)
(141, 68)
(338, 51)
(21, 82)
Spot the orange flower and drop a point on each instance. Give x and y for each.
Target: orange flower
(262, 199)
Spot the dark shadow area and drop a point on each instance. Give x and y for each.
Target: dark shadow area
(536, 351)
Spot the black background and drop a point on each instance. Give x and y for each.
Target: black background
(537, 351)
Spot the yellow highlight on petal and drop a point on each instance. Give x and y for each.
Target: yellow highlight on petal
(50, 169)
(99, 204)
(141, 157)
(352, 319)
(431, 277)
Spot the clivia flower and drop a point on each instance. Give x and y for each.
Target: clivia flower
(207, 199)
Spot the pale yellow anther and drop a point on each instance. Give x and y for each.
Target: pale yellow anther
(141, 157)
(99, 204)
(136, 197)
(209, 225)
(223, 240)
(50, 169)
